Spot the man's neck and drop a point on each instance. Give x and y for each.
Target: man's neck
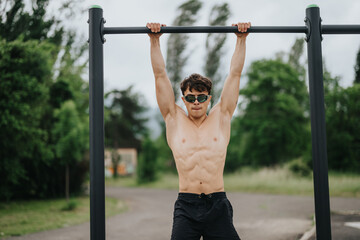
(198, 121)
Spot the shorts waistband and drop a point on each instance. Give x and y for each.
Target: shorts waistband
(213, 195)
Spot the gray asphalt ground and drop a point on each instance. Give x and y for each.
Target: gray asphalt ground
(341, 231)
(256, 216)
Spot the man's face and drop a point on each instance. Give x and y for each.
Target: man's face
(196, 109)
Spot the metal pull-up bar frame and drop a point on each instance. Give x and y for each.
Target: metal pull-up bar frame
(313, 30)
(325, 29)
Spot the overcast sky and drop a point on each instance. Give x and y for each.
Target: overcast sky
(127, 57)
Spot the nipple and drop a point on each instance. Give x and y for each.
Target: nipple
(215, 139)
(183, 140)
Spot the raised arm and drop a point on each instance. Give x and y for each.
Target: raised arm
(164, 92)
(230, 92)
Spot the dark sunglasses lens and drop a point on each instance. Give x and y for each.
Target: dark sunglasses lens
(202, 98)
(190, 98)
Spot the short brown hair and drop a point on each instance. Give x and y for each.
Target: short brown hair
(197, 82)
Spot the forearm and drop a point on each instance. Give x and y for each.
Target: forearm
(164, 92)
(238, 58)
(157, 59)
(230, 92)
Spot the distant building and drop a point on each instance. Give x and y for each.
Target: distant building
(127, 164)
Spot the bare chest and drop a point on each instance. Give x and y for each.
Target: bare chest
(186, 139)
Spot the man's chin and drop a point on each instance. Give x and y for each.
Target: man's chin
(197, 115)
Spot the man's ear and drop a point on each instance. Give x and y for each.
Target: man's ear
(182, 98)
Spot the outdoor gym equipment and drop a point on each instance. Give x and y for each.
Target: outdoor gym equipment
(313, 30)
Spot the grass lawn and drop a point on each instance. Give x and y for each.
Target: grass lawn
(23, 217)
(265, 180)
(282, 181)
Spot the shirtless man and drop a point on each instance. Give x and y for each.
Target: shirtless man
(199, 143)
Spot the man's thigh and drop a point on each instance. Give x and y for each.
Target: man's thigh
(222, 227)
(184, 227)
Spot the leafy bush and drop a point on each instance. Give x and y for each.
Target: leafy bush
(70, 205)
(272, 127)
(299, 167)
(147, 167)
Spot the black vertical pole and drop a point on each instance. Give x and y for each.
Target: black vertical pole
(96, 108)
(318, 130)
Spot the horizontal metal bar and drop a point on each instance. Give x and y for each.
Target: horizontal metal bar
(340, 29)
(206, 29)
(325, 29)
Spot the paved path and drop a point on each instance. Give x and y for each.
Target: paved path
(344, 226)
(256, 216)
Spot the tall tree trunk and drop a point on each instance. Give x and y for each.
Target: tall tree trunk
(67, 180)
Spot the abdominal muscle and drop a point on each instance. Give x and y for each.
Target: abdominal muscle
(201, 173)
(199, 152)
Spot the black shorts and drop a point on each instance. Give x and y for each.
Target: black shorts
(210, 216)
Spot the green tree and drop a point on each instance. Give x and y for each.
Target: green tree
(331, 83)
(147, 167)
(214, 48)
(176, 45)
(342, 124)
(68, 85)
(272, 122)
(71, 68)
(59, 93)
(29, 22)
(357, 68)
(25, 76)
(124, 124)
(15, 22)
(343, 129)
(70, 135)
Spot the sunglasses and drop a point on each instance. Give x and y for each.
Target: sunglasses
(201, 98)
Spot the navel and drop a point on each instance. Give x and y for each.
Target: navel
(200, 182)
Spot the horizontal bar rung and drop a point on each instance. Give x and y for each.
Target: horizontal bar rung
(206, 29)
(325, 29)
(340, 29)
